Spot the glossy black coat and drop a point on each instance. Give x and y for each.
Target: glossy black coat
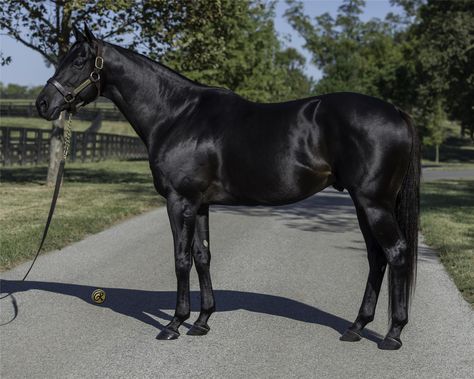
(210, 146)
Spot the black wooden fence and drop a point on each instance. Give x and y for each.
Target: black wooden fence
(8, 109)
(31, 146)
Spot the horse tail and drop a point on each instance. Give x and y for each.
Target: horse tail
(407, 211)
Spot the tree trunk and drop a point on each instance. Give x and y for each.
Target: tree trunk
(437, 153)
(55, 149)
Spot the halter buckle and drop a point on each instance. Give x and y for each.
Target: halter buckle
(94, 76)
(69, 97)
(99, 63)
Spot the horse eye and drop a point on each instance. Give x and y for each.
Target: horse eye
(79, 63)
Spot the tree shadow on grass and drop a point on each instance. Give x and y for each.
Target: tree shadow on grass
(140, 304)
(448, 194)
(37, 175)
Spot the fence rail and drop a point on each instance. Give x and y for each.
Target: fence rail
(8, 109)
(31, 146)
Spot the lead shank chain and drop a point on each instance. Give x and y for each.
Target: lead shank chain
(67, 137)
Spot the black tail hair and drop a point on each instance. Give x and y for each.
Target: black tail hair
(407, 211)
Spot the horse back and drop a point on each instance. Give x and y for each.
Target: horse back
(235, 151)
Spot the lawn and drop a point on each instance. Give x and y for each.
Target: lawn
(102, 104)
(114, 127)
(447, 222)
(94, 196)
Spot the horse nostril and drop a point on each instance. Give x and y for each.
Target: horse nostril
(42, 105)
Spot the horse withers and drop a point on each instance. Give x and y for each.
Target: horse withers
(207, 146)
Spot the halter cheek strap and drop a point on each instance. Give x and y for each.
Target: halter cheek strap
(94, 78)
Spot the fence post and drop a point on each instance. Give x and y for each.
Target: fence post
(6, 146)
(22, 147)
(38, 147)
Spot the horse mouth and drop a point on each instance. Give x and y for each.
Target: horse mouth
(52, 115)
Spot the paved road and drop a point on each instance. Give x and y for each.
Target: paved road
(430, 174)
(288, 282)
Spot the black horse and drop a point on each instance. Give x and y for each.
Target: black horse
(207, 145)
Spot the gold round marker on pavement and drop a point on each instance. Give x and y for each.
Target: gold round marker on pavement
(98, 296)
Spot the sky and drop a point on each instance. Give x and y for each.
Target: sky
(28, 67)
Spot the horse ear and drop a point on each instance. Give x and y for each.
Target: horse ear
(89, 35)
(78, 35)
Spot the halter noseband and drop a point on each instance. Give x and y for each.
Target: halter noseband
(94, 78)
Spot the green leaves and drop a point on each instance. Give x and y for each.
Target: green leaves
(226, 43)
(422, 60)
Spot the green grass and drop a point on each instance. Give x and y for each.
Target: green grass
(447, 221)
(114, 127)
(94, 196)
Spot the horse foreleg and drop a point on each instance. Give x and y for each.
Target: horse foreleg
(182, 215)
(202, 259)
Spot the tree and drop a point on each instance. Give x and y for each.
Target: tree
(444, 35)
(433, 120)
(353, 55)
(45, 27)
(239, 50)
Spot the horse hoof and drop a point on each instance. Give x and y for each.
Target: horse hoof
(167, 334)
(350, 336)
(390, 343)
(198, 330)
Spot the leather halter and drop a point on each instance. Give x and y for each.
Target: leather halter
(94, 78)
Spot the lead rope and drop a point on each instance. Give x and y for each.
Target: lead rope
(67, 141)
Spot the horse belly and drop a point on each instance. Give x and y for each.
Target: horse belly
(275, 186)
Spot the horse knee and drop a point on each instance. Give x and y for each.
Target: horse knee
(202, 262)
(183, 264)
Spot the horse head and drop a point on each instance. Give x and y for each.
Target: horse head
(77, 79)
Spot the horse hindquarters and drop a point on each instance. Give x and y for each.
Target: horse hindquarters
(389, 223)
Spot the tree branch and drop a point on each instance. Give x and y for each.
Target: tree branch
(119, 30)
(29, 9)
(14, 34)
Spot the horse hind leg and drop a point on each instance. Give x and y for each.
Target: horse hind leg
(377, 266)
(382, 223)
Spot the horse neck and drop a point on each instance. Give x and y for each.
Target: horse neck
(148, 94)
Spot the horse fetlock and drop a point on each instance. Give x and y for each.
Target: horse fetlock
(363, 319)
(182, 317)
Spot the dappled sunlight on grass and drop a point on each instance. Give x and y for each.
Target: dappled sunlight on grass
(448, 226)
(94, 196)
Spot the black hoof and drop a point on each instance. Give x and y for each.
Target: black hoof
(167, 334)
(198, 330)
(390, 343)
(350, 336)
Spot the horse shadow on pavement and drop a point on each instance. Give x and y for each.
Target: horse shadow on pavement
(328, 211)
(140, 304)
